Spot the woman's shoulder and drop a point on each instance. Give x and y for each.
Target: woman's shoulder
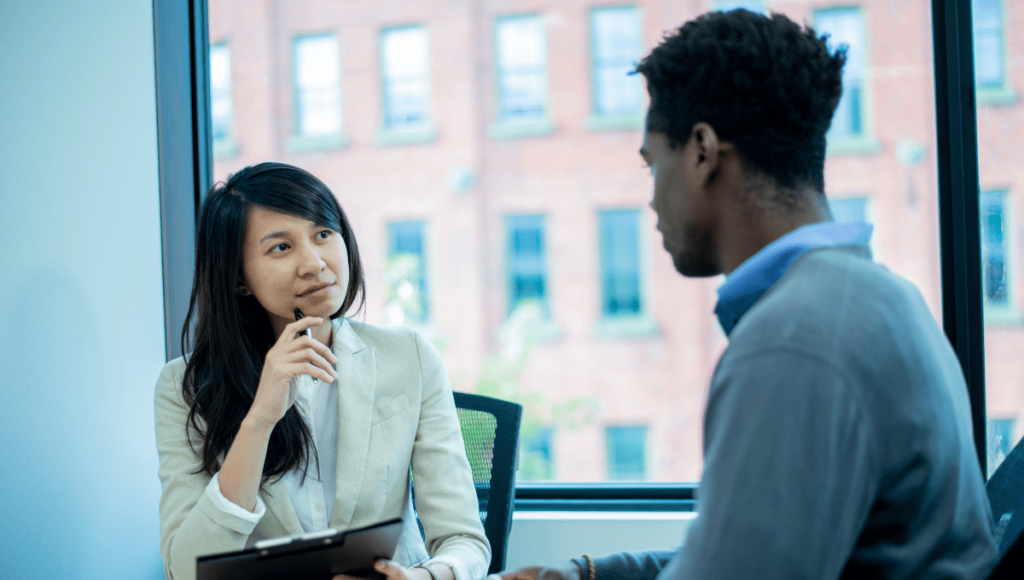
(168, 384)
(398, 339)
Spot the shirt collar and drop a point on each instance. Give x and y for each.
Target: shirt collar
(759, 272)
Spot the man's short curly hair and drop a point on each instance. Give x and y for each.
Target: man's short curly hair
(763, 83)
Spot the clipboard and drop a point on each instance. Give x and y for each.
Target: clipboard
(316, 555)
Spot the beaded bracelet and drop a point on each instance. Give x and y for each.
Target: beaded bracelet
(590, 567)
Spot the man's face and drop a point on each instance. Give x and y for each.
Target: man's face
(685, 218)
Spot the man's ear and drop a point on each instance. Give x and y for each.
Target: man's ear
(708, 152)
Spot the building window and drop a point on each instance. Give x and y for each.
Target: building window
(317, 86)
(849, 209)
(615, 49)
(751, 5)
(527, 268)
(408, 299)
(220, 93)
(627, 452)
(620, 262)
(1000, 441)
(845, 26)
(536, 461)
(993, 249)
(405, 68)
(522, 69)
(988, 43)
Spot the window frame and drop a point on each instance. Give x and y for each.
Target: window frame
(183, 133)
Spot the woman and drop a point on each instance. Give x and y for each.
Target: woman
(248, 449)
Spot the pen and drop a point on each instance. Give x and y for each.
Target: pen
(309, 333)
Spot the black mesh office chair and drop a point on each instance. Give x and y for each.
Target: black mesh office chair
(1006, 496)
(490, 430)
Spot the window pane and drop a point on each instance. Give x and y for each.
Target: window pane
(527, 271)
(406, 274)
(845, 28)
(988, 43)
(317, 85)
(627, 452)
(752, 5)
(521, 68)
(999, 132)
(620, 263)
(849, 209)
(616, 45)
(405, 69)
(220, 91)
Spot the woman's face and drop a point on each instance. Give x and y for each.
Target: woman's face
(290, 262)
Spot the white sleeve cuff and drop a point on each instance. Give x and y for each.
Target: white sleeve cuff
(225, 505)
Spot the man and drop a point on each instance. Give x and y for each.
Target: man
(837, 435)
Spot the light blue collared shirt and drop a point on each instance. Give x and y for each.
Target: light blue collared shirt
(759, 272)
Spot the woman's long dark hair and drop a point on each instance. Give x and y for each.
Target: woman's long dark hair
(233, 332)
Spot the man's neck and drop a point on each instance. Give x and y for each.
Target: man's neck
(749, 231)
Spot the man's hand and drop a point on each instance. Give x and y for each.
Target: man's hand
(558, 571)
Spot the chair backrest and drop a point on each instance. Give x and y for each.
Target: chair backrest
(490, 430)
(1006, 496)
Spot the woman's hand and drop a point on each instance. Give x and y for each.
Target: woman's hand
(392, 571)
(294, 354)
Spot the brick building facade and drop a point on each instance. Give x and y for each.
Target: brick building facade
(496, 142)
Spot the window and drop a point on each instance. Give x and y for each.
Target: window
(535, 458)
(1000, 441)
(626, 452)
(849, 209)
(615, 50)
(993, 249)
(408, 300)
(751, 5)
(845, 26)
(317, 86)
(620, 262)
(989, 69)
(220, 94)
(522, 69)
(405, 68)
(527, 270)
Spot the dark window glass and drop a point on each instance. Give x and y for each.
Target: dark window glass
(626, 452)
(1000, 441)
(536, 460)
(620, 262)
(406, 273)
(527, 270)
(993, 248)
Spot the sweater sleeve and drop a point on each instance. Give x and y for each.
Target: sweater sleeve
(790, 471)
(191, 522)
(627, 565)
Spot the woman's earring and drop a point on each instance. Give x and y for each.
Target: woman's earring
(244, 292)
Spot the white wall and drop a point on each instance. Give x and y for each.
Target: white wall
(81, 299)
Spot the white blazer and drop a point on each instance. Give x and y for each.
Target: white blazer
(396, 409)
